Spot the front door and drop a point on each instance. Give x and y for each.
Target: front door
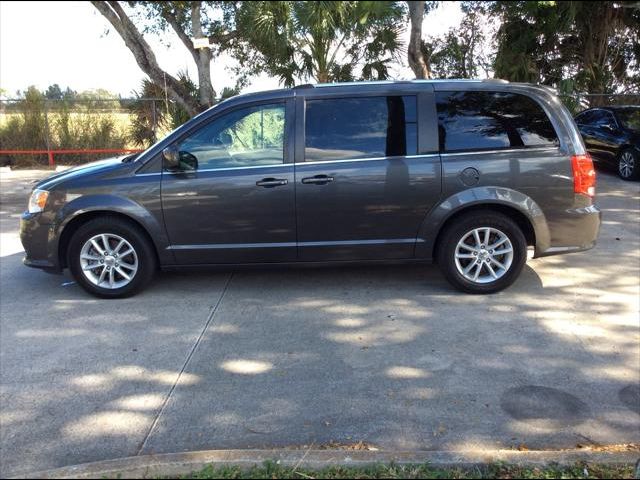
(233, 200)
(362, 190)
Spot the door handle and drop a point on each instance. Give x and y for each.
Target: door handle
(272, 182)
(318, 180)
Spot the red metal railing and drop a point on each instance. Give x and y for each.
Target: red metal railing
(51, 153)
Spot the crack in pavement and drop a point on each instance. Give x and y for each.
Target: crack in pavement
(184, 366)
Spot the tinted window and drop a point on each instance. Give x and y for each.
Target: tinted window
(491, 120)
(604, 118)
(245, 137)
(348, 128)
(596, 117)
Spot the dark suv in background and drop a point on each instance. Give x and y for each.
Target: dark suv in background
(468, 173)
(612, 136)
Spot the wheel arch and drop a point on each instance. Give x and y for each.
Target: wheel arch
(516, 215)
(627, 146)
(73, 224)
(515, 205)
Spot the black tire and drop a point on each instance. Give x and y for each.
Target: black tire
(456, 231)
(144, 250)
(623, 158)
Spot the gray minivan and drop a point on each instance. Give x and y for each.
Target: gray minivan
(467, 173)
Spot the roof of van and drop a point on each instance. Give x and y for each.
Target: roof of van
(440, 84)
(391, 82)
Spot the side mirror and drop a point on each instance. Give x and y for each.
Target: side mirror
(171, 158)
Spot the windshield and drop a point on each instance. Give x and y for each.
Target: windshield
(629, 117)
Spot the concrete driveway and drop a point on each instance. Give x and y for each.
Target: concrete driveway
(388, 355)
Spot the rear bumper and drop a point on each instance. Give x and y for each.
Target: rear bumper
(39, 242)
(576, 230)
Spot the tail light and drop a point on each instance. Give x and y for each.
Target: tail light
(584, 175)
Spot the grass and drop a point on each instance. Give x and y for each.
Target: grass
(75, 130)
(274, 471)
(122, 121)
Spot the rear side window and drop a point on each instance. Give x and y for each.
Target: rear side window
(491, 120)
(365, 127)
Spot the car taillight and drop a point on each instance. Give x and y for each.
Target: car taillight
(584, 175)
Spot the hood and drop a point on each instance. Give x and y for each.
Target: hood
(101, 166)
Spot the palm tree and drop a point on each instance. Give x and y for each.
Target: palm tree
(325, 41)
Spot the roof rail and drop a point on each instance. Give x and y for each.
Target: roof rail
(356, 82)
(304, 85)
(494, 80)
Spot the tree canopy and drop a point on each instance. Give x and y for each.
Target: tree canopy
(322, 41)
(585, 46)
(575, 46)
(462, 52)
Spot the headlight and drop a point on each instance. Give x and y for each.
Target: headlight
(38, 200)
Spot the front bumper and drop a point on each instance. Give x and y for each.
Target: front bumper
(40, 243)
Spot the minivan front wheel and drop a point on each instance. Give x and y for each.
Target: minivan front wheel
(111, 258)
(482, 252)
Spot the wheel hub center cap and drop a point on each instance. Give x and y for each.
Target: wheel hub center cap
(109, 260)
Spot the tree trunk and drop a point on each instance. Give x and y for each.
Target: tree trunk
(471, 67)
(416, 58)
(322, 77)
(143, 54)
(203, 60)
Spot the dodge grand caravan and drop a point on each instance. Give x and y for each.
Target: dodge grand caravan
(469, 174)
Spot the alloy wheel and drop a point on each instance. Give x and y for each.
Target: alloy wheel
(483, 255)
(626, 164)
(108, 261)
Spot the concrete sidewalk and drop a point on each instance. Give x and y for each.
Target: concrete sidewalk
(262, 359)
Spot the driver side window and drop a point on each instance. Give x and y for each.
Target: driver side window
(605, 118)
(246, 137)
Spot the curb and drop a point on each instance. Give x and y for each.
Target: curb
(174, 464)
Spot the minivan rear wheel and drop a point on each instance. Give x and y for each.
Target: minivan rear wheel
(482, 252)
(111, 258)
